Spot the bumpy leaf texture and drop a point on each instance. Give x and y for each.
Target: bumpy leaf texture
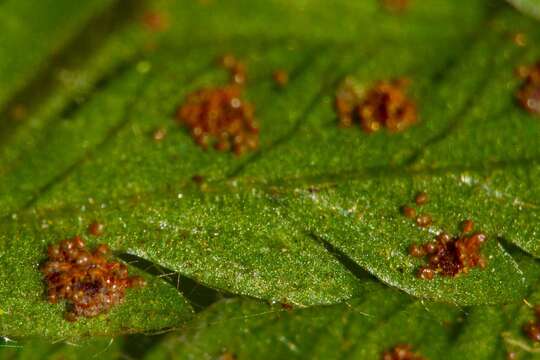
(309, 217)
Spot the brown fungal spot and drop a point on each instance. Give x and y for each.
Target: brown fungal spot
(385, 105)
(421, 198)
(401, 352)
(95, 228)
(155, 21)
(467, 226)
(159, 134)
(87, 280)
(281, 77)
(528, 94)
(449, 256)
(408, 211)
(424, 220)
(222, 118)
(532, 328)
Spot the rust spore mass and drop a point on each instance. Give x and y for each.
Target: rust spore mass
(449, 256)
(87, 280)
(528, 94)
(532, 328)
(401, 352)
(219, 116)
(385, 105)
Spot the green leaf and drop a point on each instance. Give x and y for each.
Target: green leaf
(303, 217)
(362, 328)
(33, 33)
(36, 349)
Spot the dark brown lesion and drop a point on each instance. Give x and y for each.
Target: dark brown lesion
(88, 281)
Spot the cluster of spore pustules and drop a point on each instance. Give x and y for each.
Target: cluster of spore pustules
(88, 281)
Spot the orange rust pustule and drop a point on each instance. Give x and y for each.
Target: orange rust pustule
(220, 117)
(87, 280)
(528, 94)
(96, 228)
(281, 77)
(532, 328)
(387, 105)
(449, 256)
(401, 352)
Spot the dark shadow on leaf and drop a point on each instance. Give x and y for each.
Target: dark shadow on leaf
(343, 259)
(198, 295)
(75, 53)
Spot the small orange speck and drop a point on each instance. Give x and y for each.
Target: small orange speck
(95, 228)
(155, 21)
(421, 198)
(281, 77)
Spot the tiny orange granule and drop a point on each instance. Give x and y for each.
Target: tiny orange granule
(88, 281)
(155, 21)
(532, 328)
(401, 352)
(236, 68)
(96, 228)
(395, 5)
(528, 94)
(421, 198)
(449, 256)
(424, 220)
(281, 77)
(408, 212)
(384, 105)
(467, 226)
(220, 117)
